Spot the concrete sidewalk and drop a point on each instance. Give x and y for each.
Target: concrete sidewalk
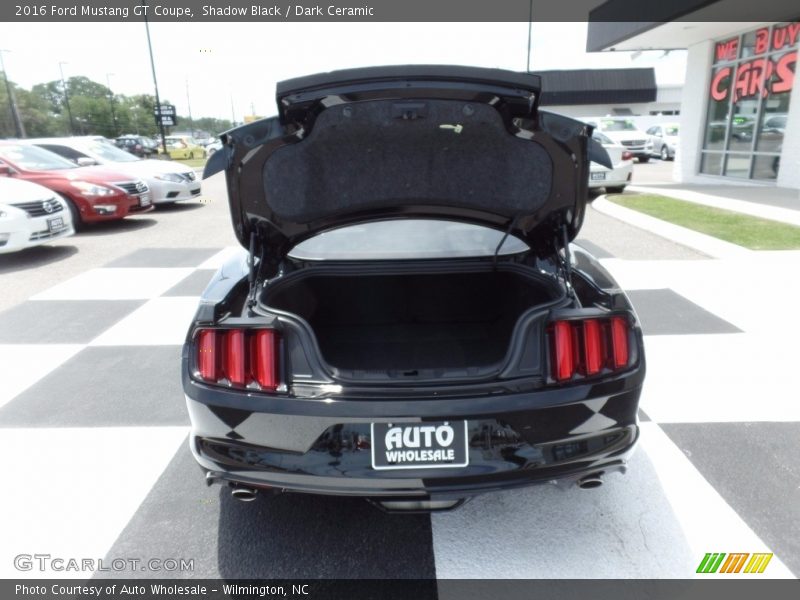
(767, 202)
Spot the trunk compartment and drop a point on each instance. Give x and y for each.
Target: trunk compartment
(413, 321)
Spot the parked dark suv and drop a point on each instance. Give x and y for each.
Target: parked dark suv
(410, 322)
(137, 145)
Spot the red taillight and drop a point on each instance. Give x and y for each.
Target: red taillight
(563, 352)
(592, 347)
(619, 342)
(627, 155)
(264, 356)
(233, 362)
(239, 357)
(587, 347)
(207, 354)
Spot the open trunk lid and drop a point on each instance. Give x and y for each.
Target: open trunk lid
(456, 143)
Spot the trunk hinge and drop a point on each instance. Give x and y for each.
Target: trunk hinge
(567, 260)
(253, 270)
(503, 241)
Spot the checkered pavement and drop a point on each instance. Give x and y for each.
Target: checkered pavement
(93, 427)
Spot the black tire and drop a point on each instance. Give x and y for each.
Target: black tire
(615, 189)
(77, 220)
(644, 159)
(664, 152)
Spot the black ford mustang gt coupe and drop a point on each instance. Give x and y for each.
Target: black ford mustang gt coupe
(410, 322)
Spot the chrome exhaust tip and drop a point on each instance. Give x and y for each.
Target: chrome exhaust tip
(595, 480)
(244, 494)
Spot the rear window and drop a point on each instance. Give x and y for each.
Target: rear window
(603, 139)
(408, 238)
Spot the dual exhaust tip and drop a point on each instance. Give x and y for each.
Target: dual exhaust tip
(590, 482)
(244, 494)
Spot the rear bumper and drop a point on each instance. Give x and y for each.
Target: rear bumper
(323, 447)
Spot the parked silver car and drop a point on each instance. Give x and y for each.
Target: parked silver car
(664, 139)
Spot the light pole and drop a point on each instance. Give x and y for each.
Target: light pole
(12, 102)
(189, 105)
(66, 97)
(111, 102)
(155, 84)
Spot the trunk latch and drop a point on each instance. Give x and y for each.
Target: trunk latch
(409, 111)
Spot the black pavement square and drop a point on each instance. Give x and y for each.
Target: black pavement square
(164, 257)
(193, 285)
(61, 321)
(665, 312)
(293, 536)
(105, 386)
(754, 467)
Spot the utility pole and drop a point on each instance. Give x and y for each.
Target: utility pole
(111, 102)
(12, 101)
(530, 28)
(155, 84)
(233, 114)
(189, 104)
(66, 98)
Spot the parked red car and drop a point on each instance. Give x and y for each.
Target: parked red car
(92, 193)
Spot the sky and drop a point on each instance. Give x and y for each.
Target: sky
(231, 69)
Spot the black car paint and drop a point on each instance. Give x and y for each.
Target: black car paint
(312, 435)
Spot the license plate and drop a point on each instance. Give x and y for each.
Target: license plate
(144, 200)
(596, 176)
(427, 445)
(55, 224)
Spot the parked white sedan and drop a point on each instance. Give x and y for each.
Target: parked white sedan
(613, 180)
(30, 215)
(168, 181)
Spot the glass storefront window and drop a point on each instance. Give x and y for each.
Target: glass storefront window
(766, 167)
(711, 163)
(751, 85)
(737, 165)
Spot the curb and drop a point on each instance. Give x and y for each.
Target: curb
(701, 242)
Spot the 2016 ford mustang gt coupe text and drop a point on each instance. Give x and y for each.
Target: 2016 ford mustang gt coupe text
(411, 322)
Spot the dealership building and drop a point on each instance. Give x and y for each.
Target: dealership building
(740, 112)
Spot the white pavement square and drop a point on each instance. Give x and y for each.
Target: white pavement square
(22, 365)
(74, 490)
(116, 284)
(160, 321)
(657, 521)
(743, 377)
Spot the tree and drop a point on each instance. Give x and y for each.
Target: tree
(43, 110)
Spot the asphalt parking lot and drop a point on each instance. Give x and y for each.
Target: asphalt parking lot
(90, 334)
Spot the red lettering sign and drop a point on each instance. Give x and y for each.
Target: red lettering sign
(785, 36)
(755, 77)
(785, 73)
(751, 78)
(762, 41)
(719, 91)
(727, 50)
